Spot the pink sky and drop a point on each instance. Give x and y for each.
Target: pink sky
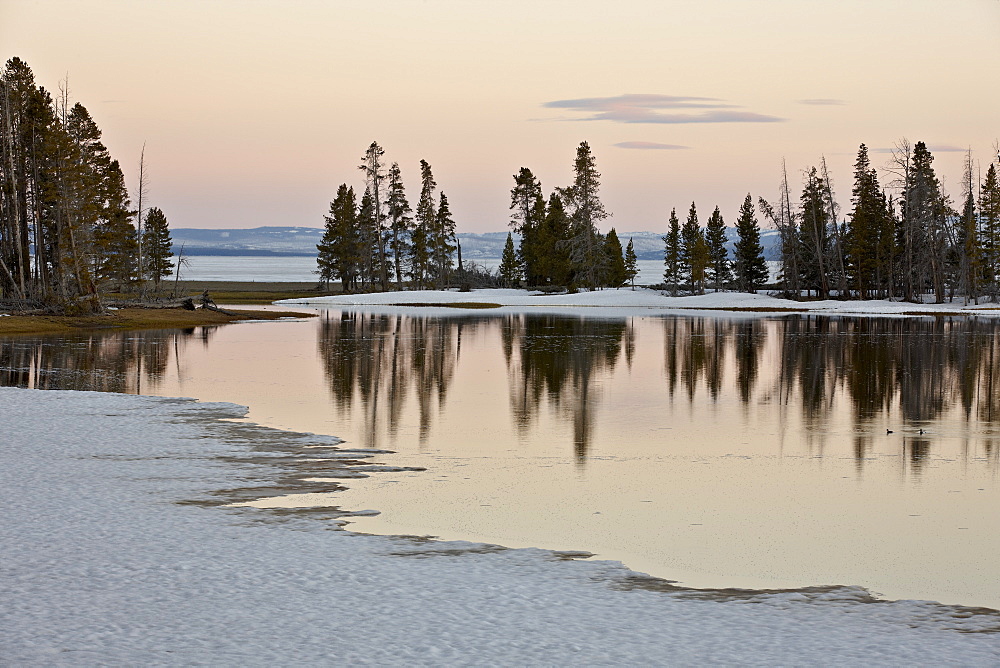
(253, 112)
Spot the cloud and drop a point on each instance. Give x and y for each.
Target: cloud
(650, 145)
(822, 101)
(647, 108)
(933, 148)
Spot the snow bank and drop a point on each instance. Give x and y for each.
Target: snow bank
(644, 299)
(116, 548)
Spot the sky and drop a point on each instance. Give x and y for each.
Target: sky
(253, 112)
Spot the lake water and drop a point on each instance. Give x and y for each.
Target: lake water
(717, 450)
(303, 269)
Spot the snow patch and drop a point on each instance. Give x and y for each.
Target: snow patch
(114, 550)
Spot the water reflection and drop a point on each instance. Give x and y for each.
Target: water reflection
(377, 361)
(557, 361)
(390, 371)
(126, 362)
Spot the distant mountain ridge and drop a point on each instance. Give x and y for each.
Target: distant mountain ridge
(301, 242)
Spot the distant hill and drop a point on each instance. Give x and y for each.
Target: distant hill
(301, 241)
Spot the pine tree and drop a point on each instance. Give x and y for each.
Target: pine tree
(368, 233)
(527, 214)
(340, 253)
(156, 245)
(814, 235)
(865, 229)
(749, 266)
(616, 273)
(672, 254)
(426, 215)
(968, 243)
(510, 266)
(115, 239)
(922, 233)
(375, 177)
(720, 273)
(690, 234)
(631, 263)
(586, 211)
(400, 223)
(700, 260)
(442, 241)
(989, 217)
(554, 266)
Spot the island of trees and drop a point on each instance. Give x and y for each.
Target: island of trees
(901, 240)
(68, 229)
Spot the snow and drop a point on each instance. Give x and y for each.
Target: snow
(647, 300)
(119, 546)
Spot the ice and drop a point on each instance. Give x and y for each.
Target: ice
(115, 548)
(646, 299)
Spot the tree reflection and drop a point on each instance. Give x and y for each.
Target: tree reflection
(558, 362)
(905, 372)
(103, 362)
(378, 360)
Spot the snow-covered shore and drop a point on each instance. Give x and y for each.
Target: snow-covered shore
(646, 299)
(103, 562)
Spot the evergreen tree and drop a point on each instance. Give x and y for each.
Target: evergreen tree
(442, 241)
(866, 229)
(116, 246)
(690, 234)
(700, 261)
(720, 272)
(749, 266)
(814, 235)
(989, 218)
(586, 211)
(400, 222)
(970, 262)
(617, 273)
(340, 253)
(375, 177)
(426, 216)
(527, 214)
(923, 227)
(368, 230)
(672, 254)
(631, 263)
(554, 266)
(156, 244)
(510, 266)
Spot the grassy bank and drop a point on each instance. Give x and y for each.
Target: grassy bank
(132, 318)
(222, 292)
(247, 292)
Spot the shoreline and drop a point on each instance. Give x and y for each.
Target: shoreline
(133, 319)
(645, 300)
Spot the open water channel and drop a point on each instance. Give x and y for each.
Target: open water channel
(716, 450)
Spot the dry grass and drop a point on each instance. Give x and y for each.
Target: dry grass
(238, 292)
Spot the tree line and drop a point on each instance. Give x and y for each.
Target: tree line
(68, 230)
(900, 240)
(375, 242)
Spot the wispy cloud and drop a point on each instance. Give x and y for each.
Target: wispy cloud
(650, 146)
(822, 102)
(669, 109)
(933, 148)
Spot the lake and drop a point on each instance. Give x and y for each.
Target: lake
(716, 450)
(303, 269)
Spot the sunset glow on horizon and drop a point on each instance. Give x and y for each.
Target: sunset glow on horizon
(252, 113)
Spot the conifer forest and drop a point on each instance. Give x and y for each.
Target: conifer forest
(902, 237)
(69, 230)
